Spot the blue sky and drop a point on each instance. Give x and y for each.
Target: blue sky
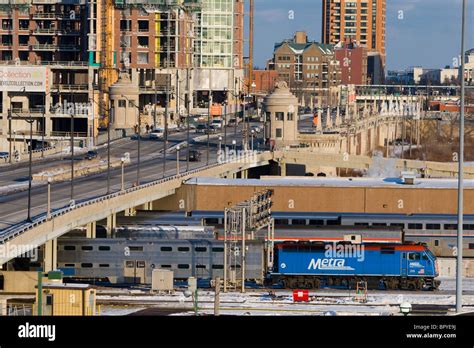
(428, 35)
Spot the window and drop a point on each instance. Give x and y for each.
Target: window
(316, 222)
(379, 224)
(166, 248)
(135, 248)
(290, 116)
(130, 264)
(86, 265)
(200, 249)
(436, 242)
(468, 227)
(398, 225)
(387, 251)
(471, 245)
(69, 247)
(278, 133)
(281, 221)
(217, 266)
(218, 250)
(105, 265)
(122, 103)
(361, 224)
(433, 226)
(201, 266)
(140, 264)
(104, 248)
(279, 116)
(451, 226)
(415, 226)
(165, 266)
(69, 265)
(298, 222)
(183, 249)
(86, 247)
(424, 257)
(183, 266)
(49, 300)
(413, 256)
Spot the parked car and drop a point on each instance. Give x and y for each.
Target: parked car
(201, 128)
(211, 129)
(217, 123)
(256, 129)
(91, 155)
(232, 122)
(194, 156)
(156, 134)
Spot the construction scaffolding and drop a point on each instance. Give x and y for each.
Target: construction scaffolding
(242, 222)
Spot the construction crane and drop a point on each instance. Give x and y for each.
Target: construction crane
(251, 12)
(107, 70)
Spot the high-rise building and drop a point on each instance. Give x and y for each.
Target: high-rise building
(362, 21)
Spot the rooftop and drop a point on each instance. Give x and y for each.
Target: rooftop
(334, 182)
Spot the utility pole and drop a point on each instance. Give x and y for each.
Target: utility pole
(72, 149)
(30, 121)
(461, 168)
(165, 133)
(108, 147)
(188, 99)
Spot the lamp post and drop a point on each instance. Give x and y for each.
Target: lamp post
(72, 149)
(48, 212)
(122, 186)
(252, 134)
(177, 159)
(130, 102)
(234, 142)
(30, 121)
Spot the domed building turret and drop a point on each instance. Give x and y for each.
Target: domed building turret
(281, 116)
(124, 99)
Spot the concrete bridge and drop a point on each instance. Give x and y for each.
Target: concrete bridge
(24, 237)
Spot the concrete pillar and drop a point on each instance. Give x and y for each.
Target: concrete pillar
(130, 212)
(283, 168)
(50, 255)
(90, 230)
(3, 306)
(111, 224)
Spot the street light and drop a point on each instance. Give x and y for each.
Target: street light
(234, 142)
(30, 121)
(177, 159)
(130, 102)
(253, 132)
(122, 160)
(48, 212)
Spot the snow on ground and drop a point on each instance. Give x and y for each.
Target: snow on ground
(323, 302)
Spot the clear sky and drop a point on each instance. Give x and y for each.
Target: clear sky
(428, 35)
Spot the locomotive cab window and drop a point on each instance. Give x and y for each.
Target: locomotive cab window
(424, 257)
(130, 264)
(413, 256)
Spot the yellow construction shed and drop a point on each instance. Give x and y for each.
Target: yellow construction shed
(65, 299)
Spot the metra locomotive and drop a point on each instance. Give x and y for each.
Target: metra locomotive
(407, 266)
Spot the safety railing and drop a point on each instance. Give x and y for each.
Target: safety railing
(20, 228)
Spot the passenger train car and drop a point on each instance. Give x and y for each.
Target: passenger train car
(124, 260)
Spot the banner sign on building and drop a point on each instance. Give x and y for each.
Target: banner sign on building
(15, 78)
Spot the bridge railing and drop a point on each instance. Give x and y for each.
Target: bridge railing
(18, 229)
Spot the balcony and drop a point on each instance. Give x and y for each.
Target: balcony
(44, 47)
(70, 88)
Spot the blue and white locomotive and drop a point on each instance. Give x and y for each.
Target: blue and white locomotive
(390, 266)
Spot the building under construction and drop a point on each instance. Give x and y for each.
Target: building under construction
(186, 49)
